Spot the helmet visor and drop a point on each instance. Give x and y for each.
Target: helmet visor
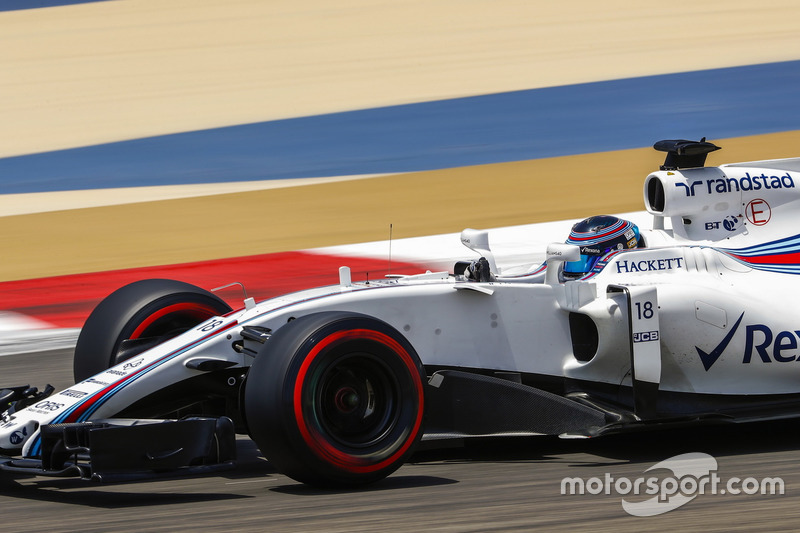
(582, 265)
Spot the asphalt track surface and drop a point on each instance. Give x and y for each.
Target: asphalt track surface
(508, 485)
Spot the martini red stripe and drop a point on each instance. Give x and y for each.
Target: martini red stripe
(776, 259)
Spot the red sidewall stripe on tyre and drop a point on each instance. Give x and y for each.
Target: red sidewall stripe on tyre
(204, 310)
(317, 443)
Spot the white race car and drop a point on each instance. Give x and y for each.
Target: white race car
(691, 320)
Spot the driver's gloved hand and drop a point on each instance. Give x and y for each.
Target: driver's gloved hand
(478, 270)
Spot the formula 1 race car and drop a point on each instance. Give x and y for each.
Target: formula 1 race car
(690, 320)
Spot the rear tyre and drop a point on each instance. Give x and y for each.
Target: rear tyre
(335, 399)
(137, 317)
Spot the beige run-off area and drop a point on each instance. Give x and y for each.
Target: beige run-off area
(107, 71)
(98, 72)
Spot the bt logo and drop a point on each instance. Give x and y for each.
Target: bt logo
(729, 223)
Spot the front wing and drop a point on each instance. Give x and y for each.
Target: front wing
(119, 450)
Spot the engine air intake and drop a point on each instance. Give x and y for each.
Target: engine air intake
(684, 154)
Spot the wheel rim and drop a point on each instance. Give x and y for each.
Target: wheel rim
(357, 400)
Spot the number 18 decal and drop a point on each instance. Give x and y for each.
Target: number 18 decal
(644, 310)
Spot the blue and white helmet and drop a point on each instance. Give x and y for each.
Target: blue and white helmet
(597, 236)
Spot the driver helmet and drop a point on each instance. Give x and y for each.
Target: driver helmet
(597, 236)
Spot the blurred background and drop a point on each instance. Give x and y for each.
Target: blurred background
(213, 141)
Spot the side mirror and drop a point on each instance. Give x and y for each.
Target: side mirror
(478, 241)
(559, 253)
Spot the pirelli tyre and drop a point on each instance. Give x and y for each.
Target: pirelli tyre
(137, 317)
(335, 399)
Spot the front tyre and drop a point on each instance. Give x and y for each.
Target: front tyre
(137, 317)
(335, 399)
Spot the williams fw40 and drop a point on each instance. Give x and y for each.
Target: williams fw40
(692, 319)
